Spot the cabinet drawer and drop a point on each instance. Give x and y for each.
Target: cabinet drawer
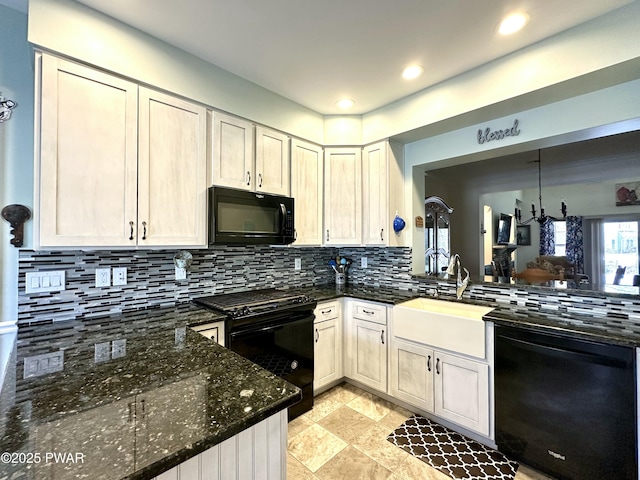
(370, 312)
(327, 311)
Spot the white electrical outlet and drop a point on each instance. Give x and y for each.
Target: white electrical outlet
(120, 275)
(103, 277)
(363, 262)
(298, 263)
(181, 273)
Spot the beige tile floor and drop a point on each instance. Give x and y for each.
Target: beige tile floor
(345, 437)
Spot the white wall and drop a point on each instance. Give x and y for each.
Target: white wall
(16, 148)
(598, 53)
(77, 31)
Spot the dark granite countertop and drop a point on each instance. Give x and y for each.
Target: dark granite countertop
(602, 328)
(168, 395)
(598, 328)
(386, 295)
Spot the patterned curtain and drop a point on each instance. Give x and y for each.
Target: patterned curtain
(575, 243)
(547, 238)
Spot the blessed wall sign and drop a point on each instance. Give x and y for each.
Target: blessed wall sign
(487, 135)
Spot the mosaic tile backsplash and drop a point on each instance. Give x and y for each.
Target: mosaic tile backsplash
(223, 269)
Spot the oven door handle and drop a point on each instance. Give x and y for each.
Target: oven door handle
(253, 331)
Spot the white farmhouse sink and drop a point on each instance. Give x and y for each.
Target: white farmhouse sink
(448, 325)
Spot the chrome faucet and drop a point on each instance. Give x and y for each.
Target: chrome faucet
(461, 285)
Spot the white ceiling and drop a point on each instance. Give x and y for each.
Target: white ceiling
(315, 52)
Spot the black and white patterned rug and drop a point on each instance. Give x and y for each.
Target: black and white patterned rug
(451, 453)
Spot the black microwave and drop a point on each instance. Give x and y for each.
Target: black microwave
(249, 218)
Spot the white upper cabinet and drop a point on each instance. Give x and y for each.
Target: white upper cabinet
(306, 188)
(112, 171)
(343, 196)
(232, 151)
(88, 157)
(238, 161)
(273, 160)
(382, 193)
(172, 177)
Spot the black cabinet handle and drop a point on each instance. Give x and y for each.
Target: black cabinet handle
(324, 312)
(382, 337)
(248, 178)
(327, 235)
(144, 230)
(317, 335)
(428, 363)
(368, 312)
(131, 234)
(438, 366)
(382, 235)
(260, 180)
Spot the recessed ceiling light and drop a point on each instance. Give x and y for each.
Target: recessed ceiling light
(345, 103)
(412, 71)
(513, 23)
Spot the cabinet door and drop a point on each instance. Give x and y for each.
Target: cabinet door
(369, 343)
(109, 433)
(170, 417)
(88, 140)
(327, 353)
(232, 152)
(411, 375)
(273, 162)
(306, 188)
(462, 392)
(343, 196)
(172, 185)
(375, 214)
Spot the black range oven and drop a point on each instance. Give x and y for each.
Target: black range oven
(274, 329)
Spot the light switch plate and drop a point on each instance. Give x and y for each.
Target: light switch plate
(119, 275)
(364, 262)
(298, 263)
(119, 348)
(43, 364)
(37, 282)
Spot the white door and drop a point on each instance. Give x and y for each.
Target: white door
(232, 152)
(375, 214)
(370, 354)
(306, 188)
(411, 375)
(327, 353)
(462, 392)
(343, 196)
(172, 185)
(273, 162)
(88, 157)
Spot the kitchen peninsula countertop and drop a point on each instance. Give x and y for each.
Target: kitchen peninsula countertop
(390, 296)
(600, 328)
(165, 396)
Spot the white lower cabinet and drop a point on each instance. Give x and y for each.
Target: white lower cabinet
(327, 345)
(366, 356)
(451, 387)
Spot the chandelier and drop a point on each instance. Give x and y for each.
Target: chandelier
(542, 218)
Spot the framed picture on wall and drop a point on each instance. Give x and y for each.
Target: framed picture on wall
(523, 235)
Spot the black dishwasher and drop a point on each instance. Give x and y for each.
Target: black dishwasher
(566, 406)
